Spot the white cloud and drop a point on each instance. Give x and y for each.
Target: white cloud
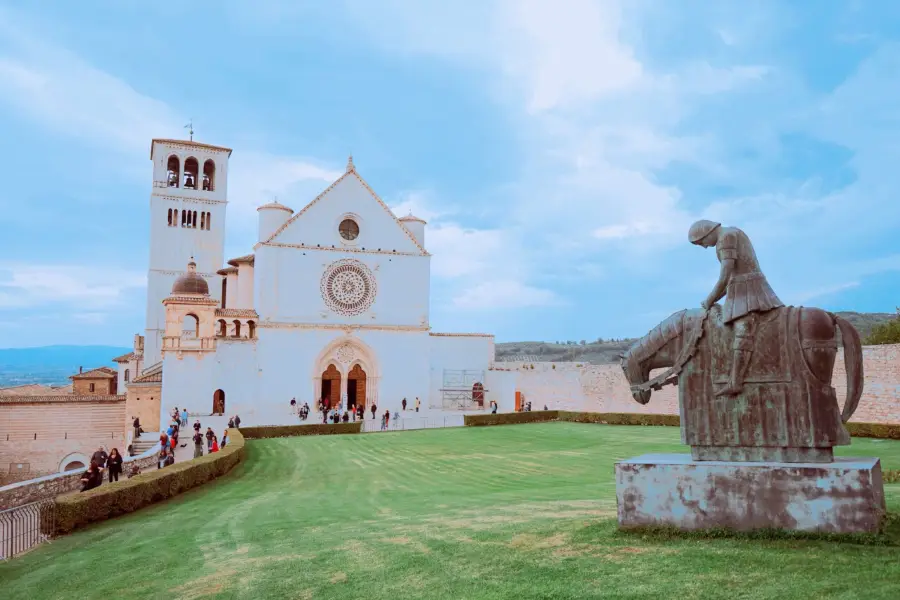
(505, 294)
(85, 289)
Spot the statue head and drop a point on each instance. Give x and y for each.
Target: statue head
(704, 233)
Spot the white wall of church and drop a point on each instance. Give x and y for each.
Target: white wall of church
(287, 287)
(501, 388)
(236, 374)
(456, 352)
(396, 364)
(186, 384)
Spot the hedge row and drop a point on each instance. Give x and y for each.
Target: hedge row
(620, 418)
(874, 430)
(510, 418)
(276, 431)
(77, 509)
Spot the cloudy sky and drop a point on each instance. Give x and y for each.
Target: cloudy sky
(558, 148)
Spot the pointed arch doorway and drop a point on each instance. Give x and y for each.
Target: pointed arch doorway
(356, 387)
(331, 386)
(218, 403)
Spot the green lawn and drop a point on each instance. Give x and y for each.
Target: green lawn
(525, 511)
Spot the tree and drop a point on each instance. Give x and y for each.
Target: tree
(583, 342)
(885, 333)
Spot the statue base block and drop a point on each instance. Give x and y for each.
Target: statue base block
(845, 496)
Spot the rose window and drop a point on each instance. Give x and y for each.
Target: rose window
(348, 287)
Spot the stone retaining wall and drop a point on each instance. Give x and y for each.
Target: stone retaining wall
(51, 486)
(584, 387)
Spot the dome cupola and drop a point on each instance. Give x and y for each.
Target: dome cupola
(190, 283)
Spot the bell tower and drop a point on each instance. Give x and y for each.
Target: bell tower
(187, 219)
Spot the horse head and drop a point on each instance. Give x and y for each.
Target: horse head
(636, 373)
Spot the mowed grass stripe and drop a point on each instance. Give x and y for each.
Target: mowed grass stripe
(522, 511)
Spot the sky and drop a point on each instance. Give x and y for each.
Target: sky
(559, 149)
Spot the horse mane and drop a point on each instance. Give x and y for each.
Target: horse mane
(670, 328)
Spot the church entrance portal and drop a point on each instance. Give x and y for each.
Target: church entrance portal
(356, 387)
(218, 403)
(331, 386)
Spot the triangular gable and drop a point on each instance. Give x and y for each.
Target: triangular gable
(354, 196)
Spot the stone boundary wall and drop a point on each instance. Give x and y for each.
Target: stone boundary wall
(582, 387)
(48, 486)
(77, 510)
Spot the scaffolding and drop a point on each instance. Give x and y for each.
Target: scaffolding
(463, 389)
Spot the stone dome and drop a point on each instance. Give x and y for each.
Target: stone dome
(190, 282)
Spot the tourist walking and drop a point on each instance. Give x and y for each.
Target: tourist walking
(387, 418)
(293, 405)
(237, 421)
(417, 404)
(404, 404)
(396, 419)
(209, 438)
(114, 464)
(230, 422)
(137, 427)
(197, 426)
(184, 417)
(198, 444)
(91, 478)
(374, 408)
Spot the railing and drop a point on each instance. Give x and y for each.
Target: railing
(24, 527)
(373, 425)
(14, 436)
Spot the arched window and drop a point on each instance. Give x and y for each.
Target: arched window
(203, 220)
(173, 171)
(175, 218)
(224, 291)
(237, 328)
(194, 219)
(223, 328)
(208, 220)
(191, 169)
(170, 217)
(209, 175)
(184, 215)
(251, 329)
(190, 326)
(127, 375)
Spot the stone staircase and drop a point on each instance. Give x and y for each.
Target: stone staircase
(146, 442)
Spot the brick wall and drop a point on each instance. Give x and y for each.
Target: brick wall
(102, 386)
(602, 388)
(42, 434)
(53, 485)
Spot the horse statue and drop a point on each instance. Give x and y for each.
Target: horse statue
(786, 409)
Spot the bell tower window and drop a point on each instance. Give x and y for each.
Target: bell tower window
(173, 171)
(209, 176)
(190, 173)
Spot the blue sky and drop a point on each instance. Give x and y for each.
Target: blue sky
(558, 149)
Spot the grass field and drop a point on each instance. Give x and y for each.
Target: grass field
(525, 511)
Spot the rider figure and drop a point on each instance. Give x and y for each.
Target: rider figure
(748, 291)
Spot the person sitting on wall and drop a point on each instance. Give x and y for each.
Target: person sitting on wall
(346, 417)
(162, 457)
(91, 478)
(170, 459)
(215, 445)
(224, 438)
(493, 407)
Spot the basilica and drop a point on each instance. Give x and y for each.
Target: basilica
(331, 303)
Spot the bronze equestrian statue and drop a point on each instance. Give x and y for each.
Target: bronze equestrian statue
(754, 376)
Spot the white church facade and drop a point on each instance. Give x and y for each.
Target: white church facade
(332, 303)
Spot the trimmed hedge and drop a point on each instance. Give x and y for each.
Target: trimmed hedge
(620, 418)
(510, 418)
(276, 431)
(874, 430)
(77, 509)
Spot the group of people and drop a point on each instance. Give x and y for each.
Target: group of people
(354, 412)
(100, 462)
(168, 440)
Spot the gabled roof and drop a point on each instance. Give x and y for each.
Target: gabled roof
(126, 357)
(351, 172)
(98, 373)
(152, 374)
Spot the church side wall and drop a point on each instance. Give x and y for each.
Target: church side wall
(187, 383)
(236, 374)
(456, 352)
(287, 287)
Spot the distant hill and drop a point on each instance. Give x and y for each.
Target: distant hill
(52, 364)
(607, 351)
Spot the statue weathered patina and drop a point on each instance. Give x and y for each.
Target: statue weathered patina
(754, 376)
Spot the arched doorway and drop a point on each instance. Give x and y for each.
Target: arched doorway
(331, 386)
(478, 394)
(218, 403)
(356, 387)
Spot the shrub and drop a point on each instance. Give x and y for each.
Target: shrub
(885, 333)
(77, 509)
(510, 418)
(276, 431)
(874, 430)
(620, 418)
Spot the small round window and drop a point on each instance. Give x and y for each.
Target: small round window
(349, 229)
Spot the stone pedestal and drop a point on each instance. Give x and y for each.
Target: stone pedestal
(845, 496)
